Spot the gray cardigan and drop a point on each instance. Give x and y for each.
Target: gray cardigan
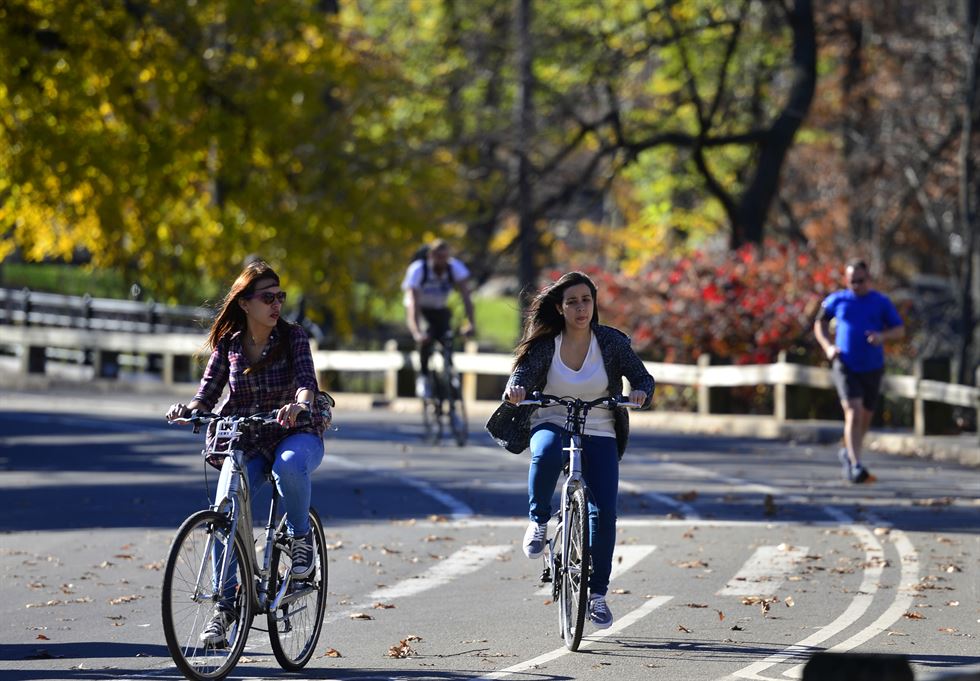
(510, 426)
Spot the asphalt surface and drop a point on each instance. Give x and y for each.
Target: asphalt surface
(736, 557)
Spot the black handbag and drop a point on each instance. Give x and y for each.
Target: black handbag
(507, 426)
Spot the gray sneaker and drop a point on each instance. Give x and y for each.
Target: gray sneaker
(599, 613)
(535, 537)
(302, 556)
(215, 635)
(845, 462)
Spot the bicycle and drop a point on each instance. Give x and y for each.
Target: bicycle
(567, 560)
(213, 559)
(444, 401)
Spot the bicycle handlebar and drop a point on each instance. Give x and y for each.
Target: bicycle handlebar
(200, 418)
(539, 399)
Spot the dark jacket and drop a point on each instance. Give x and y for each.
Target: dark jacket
(510, 425)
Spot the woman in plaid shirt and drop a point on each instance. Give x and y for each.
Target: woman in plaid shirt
(267, 365)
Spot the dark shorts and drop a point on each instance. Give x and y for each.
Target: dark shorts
(852, 385)
(438, 321)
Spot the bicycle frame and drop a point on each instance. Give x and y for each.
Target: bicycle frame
(236, 505)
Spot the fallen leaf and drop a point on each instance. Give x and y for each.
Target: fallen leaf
(881, 531)
(687, 496)
(156, 566)
(735, 627)
(681, 627)
(721, 615)
(948, 630)
(403, 649)
(914, 615)
(697, 605)
(331, 652)
(952, 604)
(789, 601)
(124, 599)
(691, 564)
(360, 616)
(620, 591)
(383, 606)
(356, 557)
(42, 637)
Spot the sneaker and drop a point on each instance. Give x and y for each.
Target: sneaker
(535, 537)
(215, 634)
(860, 474)
(845, 462)
(422, 388)
(302, 556)
(599, 613)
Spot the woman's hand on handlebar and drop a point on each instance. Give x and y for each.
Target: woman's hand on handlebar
(514, 394)
(638, 397)
(288, 413)
(178, 411)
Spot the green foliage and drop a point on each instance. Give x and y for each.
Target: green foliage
(172, 140)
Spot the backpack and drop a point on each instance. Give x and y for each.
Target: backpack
(422, 253)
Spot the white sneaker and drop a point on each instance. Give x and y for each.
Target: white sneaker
(535, 537)
(422, 387)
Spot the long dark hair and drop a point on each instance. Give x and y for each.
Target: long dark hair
(231, 316)
(543, 318)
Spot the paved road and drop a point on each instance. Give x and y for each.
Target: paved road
(735, 557)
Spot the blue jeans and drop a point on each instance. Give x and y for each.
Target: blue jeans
(296, 457)
(600, 464)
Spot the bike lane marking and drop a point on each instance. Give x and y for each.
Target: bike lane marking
(874, 567)
(621, 623)
(626, 557)
(463, 562)
(458, 509)
(686, 509)
(765, 571)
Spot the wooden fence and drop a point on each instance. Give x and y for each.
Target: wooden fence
(173, 353)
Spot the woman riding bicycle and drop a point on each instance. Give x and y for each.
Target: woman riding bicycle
(565, 351)
(267, 365)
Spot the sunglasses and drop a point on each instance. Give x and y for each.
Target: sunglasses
(268, 297)
(857, 282)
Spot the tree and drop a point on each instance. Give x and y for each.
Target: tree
(171, 140)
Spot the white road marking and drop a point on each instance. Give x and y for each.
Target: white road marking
(458, 509)
(625, 557)
(874, 561)
(909, 559)
(705, 474)
(618, 625)
(765, 571)
(468, 559)
(684, 508)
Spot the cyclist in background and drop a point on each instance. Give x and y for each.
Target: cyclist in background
(267, 365)
(565, 351)
(429, 280)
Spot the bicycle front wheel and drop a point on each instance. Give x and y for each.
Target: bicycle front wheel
(192, 593)
(573, 595)
(294, 627)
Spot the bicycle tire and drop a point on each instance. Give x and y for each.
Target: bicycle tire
(431, 422)
(190, 570)
(574, 593)
(457, 412)
(294, 629)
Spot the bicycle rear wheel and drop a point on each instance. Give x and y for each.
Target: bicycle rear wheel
(294, 627)
(573, 595)
(457, 411)
(190, 595)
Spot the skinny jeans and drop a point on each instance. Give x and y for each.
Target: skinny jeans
(600, 468)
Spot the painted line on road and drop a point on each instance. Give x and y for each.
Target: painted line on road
(621, 623)
(686, 509)
(626, 558)
(765, 571)
(704, 474)
(874, 562)
(458, 509)
(463, 562)
(909, 560)
(478, 522)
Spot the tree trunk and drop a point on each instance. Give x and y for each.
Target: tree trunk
(523, 113)
(753, 206)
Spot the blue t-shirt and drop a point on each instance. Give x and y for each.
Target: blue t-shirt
(856, 315)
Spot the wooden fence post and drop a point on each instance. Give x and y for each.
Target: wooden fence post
(391, 375)
(779, 391)
(931, 418)
(470, 347)
(704, 391)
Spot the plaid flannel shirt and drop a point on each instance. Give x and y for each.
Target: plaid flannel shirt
(267, 389)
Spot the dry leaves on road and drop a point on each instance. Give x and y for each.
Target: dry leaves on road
(914, 615)
(698, 563)
(403, 648)
(383, 606)
(360, 616)
(681, 627)
(331, 652)
(124, 599)
(763, 603)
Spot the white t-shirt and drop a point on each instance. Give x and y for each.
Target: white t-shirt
(588, 383)
(434, 292)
